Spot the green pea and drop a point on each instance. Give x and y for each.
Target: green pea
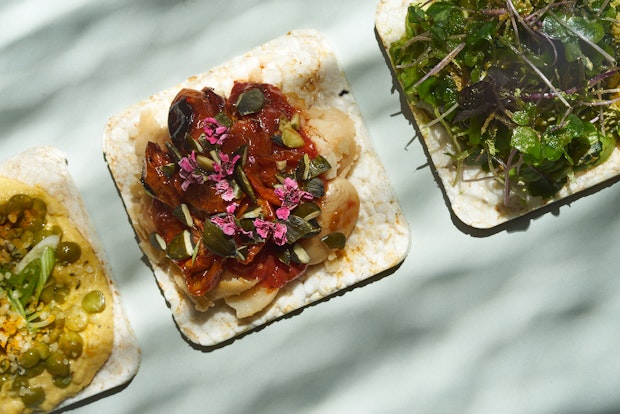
(32, 396)
(68, 252)
(42, 348)
(29, 358)
(71, 344)
(4, 378)
(5, 364)
(35, 371)
(43, 233)
(57, 364)
(93, 301)
(39, 207)
(20, 202)
(47, 294)
(62, 382)
(34, 216)
(60, 293)
(77, 319)
(19, 383)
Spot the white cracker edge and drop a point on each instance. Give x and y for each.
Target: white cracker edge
(46, 167)
(475, 203)
(381, 239)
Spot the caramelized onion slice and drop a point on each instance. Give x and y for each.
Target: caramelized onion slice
(231, 285)
(252, 300)
(339, 213)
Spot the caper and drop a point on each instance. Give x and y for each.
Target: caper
(76, 319)
(58, 364)
(39, 207)
(29, 358)
(32, 396)
(59, 318)
(93, 301)
(40, 235)
(71, 344)
(68, 252)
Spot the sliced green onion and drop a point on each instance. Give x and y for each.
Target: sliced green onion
(37, 251)
(48, 259)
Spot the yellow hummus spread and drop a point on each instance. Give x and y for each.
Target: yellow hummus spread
(56, 308)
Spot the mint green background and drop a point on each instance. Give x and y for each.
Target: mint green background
(523, 321)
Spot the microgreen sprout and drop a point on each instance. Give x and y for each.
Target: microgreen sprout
(528, 91)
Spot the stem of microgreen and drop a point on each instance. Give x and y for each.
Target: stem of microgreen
(540, 74)
(443, 63)
(593, 45)
(602, 8)
(440, 117)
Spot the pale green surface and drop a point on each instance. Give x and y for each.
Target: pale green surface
(522, 321)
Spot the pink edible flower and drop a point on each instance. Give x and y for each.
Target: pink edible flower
(279, 234)
(263, 228)
(226, 190)
(269, 228)
(291, 195)
(228, 224)
(224, 169)
(215, 132)
(226, 166)
(190, 172)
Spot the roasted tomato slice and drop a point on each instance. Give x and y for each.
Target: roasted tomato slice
(157, 177)
(203, 273)
(268, 268)
(187, 110)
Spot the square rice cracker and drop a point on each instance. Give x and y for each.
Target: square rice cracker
(299, 62)
(46, 167)
(479, 204)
